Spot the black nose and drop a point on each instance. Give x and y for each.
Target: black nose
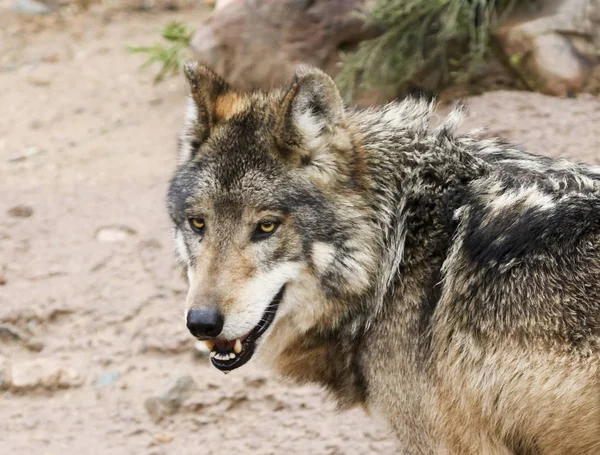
(205, 322)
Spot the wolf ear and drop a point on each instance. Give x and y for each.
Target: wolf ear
(310, 111)
(205, 106)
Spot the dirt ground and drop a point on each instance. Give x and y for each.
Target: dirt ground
(91, 325)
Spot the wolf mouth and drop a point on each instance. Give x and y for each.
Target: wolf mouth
(227, 355)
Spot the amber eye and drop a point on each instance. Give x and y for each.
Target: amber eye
(197, 224)
(267, 226)
(264, 229)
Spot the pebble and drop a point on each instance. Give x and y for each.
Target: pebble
(164, 438)
(43, 373)
(30, 7)
(20, 211)
(27, 153)
(114, 234)
(107, 378)
(170, 397)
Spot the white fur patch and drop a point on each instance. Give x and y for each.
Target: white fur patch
(191, 117)
(409, 114)
(528, 196)
(311, 127)
(304, 302)
(256, 297)
(594, 169)
(180, 248)
(322, 255)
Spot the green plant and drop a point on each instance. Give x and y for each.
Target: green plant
(169, 55)
(434, 41)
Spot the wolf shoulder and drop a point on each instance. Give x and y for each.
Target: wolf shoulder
(530, 205)
(526, 254)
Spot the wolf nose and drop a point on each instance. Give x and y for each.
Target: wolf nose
(205, 322)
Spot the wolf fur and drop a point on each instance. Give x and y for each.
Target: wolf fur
(448, 284)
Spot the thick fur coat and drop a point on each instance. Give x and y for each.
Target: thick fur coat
(447, 284)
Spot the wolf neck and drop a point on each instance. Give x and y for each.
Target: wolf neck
(412, 183)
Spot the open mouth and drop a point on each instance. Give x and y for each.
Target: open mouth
(227, 355)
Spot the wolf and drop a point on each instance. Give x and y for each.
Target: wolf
(446, 283)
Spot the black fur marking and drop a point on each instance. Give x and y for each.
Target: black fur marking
(515, 232)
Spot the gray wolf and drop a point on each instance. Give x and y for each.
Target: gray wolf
(445, 283)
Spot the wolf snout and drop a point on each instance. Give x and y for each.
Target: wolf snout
(205, 322)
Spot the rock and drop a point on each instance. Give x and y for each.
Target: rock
(43, 373)
(27, 153)
(31, 7)
(164, 438)
(34, 344)
(114, 234)
(108, 378)
(559, 66)
(557, 47)
(20, 211)
(10, 331)
(220, 4)
(259, 43)
(201, 350)
(170, 398)
(4, 373)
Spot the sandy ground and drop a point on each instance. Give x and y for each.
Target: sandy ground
(91, 323)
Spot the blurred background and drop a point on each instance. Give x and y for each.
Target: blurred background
(94, 354)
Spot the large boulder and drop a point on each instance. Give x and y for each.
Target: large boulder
(555, 45)
(258, 43)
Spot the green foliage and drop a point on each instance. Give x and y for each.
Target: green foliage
(431, 41)
(169, 55)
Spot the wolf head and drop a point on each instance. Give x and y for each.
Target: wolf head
(267, 205)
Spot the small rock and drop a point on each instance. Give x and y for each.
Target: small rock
(51, 58)
(27, 153)
(4, 373)
(20, 211)
(35, 124)
(31, 7)
(170, 398)
(164, 438)
(38, 81)
(34, 344)
(10, 331)
(255, 381)
(108, 378)
(43, 373)
(201, 350)
(221, 4)
(114, 234)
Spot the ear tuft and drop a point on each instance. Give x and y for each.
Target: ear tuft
(203, 81)
(206, 89)
(310, 111)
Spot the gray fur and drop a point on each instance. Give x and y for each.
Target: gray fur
(461, 298)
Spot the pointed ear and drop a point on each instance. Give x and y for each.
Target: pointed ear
(309, 113)
(205, 89)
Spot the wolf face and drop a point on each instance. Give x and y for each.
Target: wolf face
(255, 213)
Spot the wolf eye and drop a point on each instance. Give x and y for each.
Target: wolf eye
(267, 226)
(197, 225)
(265, 229)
